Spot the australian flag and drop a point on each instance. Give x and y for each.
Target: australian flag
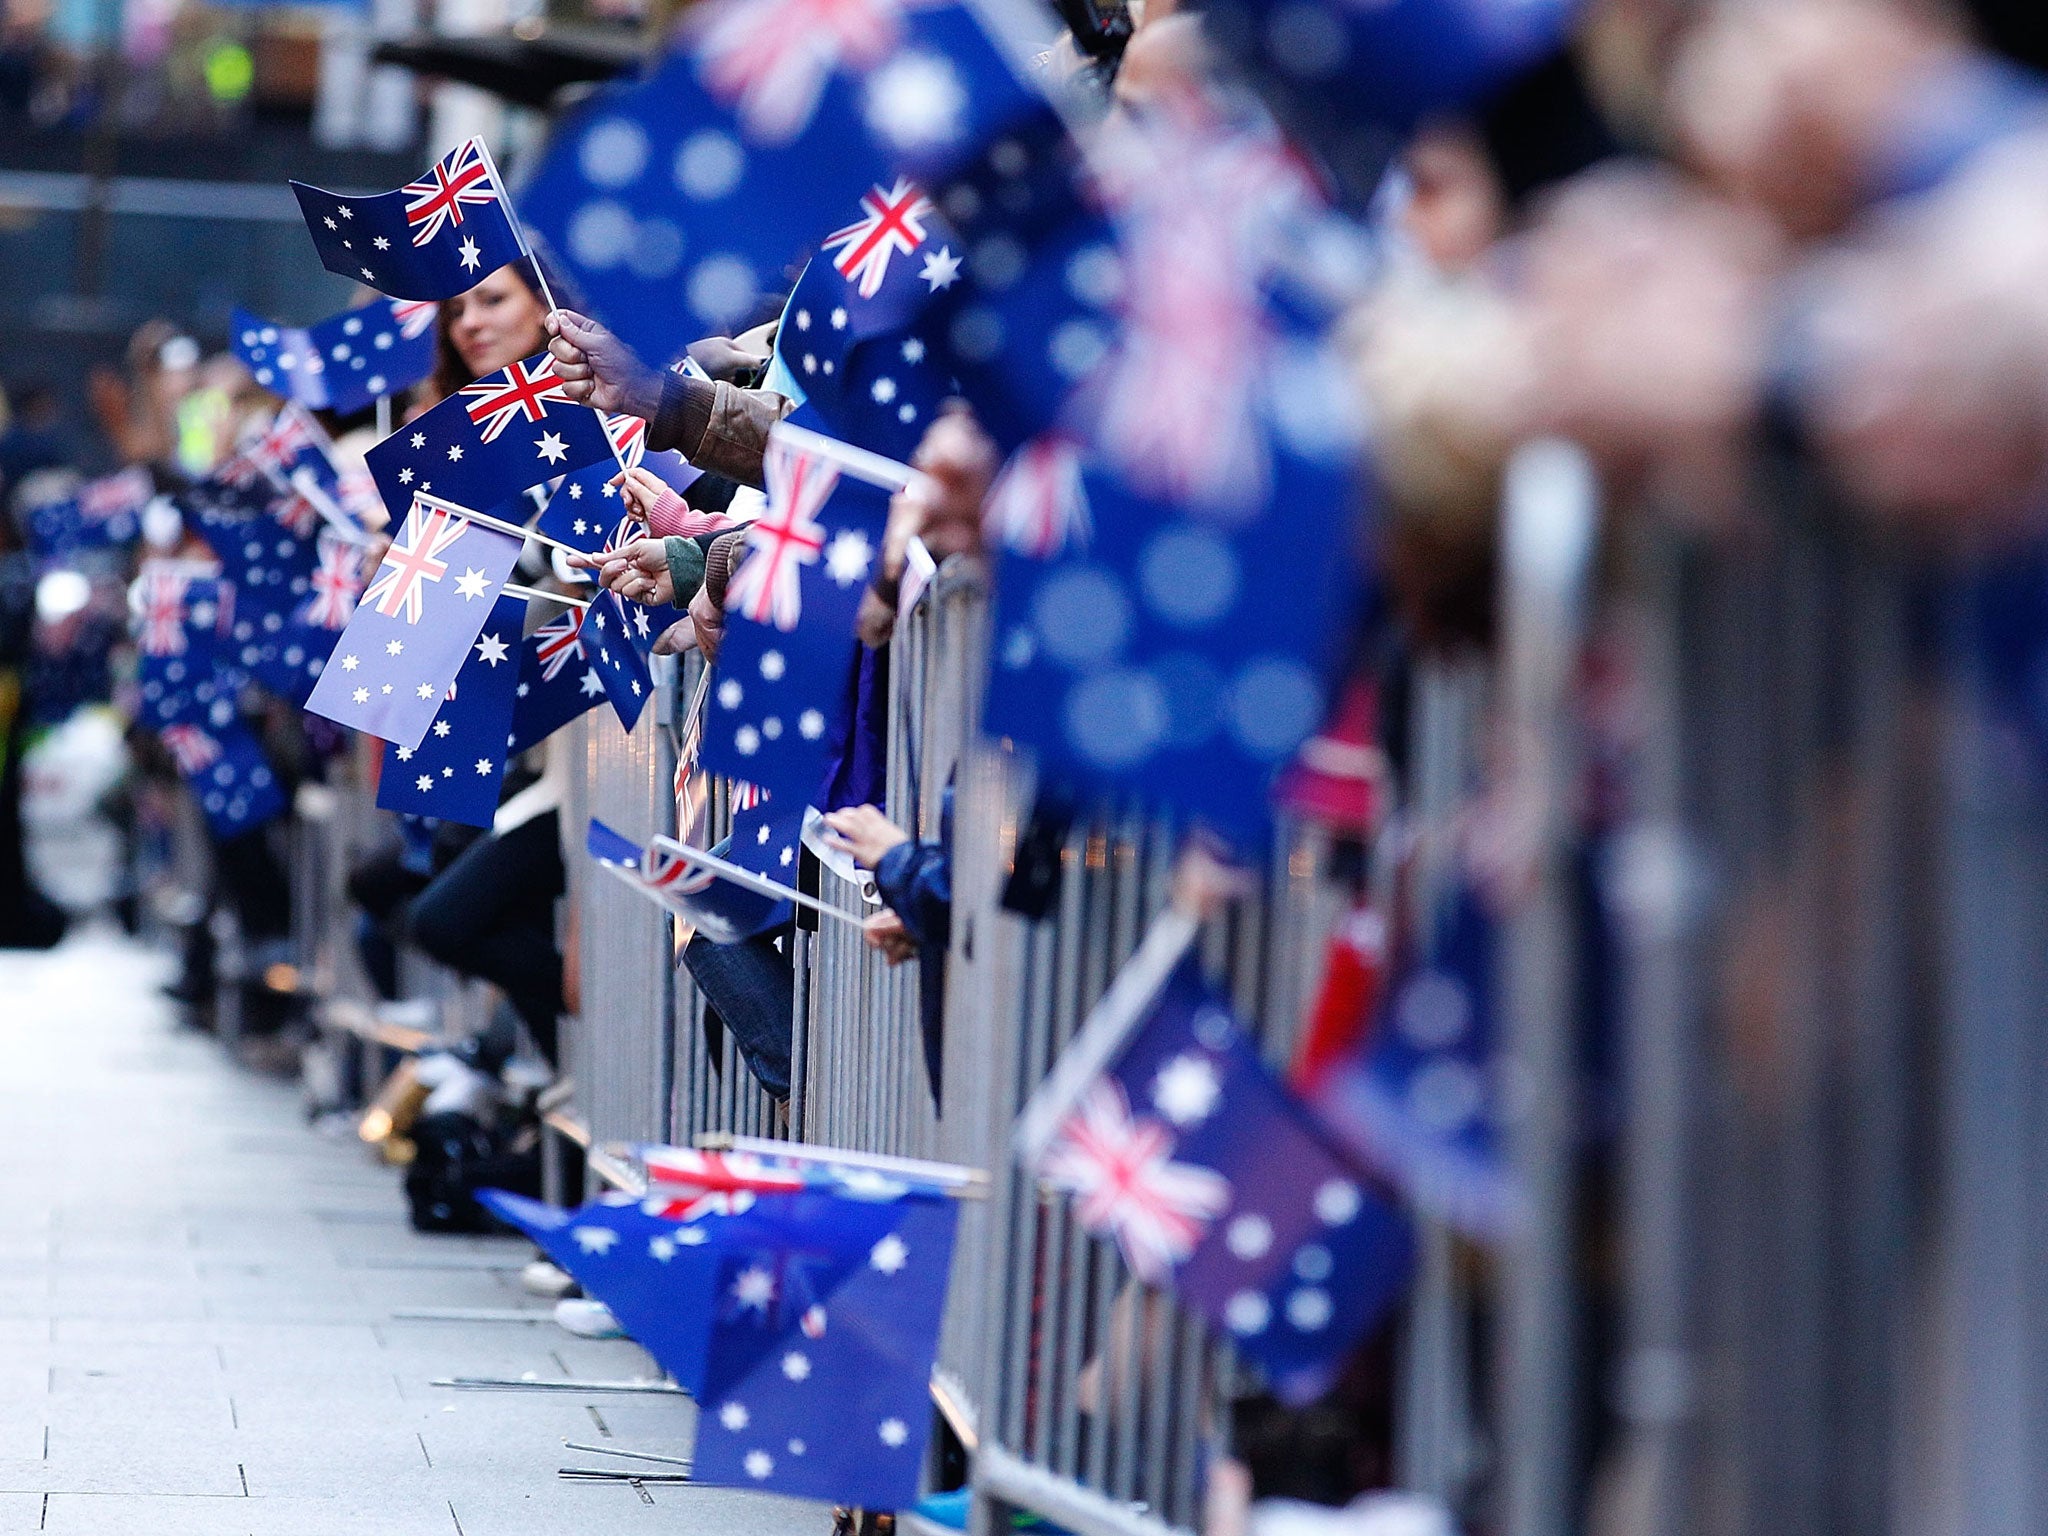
(179, 613)
(1181, 1145)
(705, 181)
(491, 440)
(414, 625)
(1421, 1100)
(431, 239)
(860, 361)
(556, 684)
(347, 361)
(763, 842)
(98, 515)
(224, 767)
(780, 688)
(457, 770)
(273, 558)
(616, 643)
(585, 510)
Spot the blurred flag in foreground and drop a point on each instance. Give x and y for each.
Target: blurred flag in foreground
(1176, 1141)
(431, 239)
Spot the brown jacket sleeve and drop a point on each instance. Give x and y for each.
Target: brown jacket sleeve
(718, 427)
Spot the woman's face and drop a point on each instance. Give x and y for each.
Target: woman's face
(495, 323)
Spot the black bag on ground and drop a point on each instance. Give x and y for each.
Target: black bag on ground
(455, 1156)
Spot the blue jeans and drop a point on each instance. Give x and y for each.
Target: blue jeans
(752, 989)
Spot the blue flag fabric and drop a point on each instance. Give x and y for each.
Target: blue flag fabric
(764, 841)
(655, 1273)
(490, 440)
(179, 617)
(863, 364)
(680, 200)
(817, 1381)
(457, 770)
(224, 767)
(1210, 1175)
(612, 649)
(556, 684)
(345, 362)
(781, 687)
(585, 511)
(98, 515)
(431, 239)
(414, 626)
(281, 565)
(1421, 1101)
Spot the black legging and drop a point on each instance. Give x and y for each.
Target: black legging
(491, 914)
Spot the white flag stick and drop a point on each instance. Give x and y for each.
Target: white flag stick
(514, 589)
(489, 521)
(746, 879)
(308, 485)
(857, 462)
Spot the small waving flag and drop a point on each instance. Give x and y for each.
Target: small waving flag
(414, 625)
(345, 362)
(557, 682)
(493, 439)
(457, 770)
(725, 911)
(98, 515)
(224, 767)
(1177, 1142)
(431, 239)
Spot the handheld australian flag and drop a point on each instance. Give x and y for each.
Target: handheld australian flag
(100, 514)
(1421, 1099)
(724, 910)
(491, 440)
(585, 507)
(780, 688)
(618, 654)
(224, 767)
(179, 612)
(556, 684)
(862, 362)
(457, 770)
(704, 181)
(1177, 1141)
(414, 625)
(431, 239)
(345, 362)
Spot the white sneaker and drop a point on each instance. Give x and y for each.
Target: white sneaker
(587, 1319)
(545, 1278)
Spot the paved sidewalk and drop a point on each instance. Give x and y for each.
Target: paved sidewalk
(196, 1297)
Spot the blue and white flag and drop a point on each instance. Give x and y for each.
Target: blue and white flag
(861, 362)
(557, 683)
(179, 614)
(618, 655)
(491, 440)
(457, 770)
(431, 239)
(780, 690)
(224, 767)
(585, 511)
(681, 200)
(1422, 1100)
(414, 625)
(1177, 1141)
(100, 514)
(764, 843)
(345, 362)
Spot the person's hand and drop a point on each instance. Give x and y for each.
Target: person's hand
(679, 637)
(885, 931)
(709, 621)
(599, 370)
(637, 571)
(722, 358)
(864, 832)
(643, 491)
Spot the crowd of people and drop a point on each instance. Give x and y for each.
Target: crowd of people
(1692, 240)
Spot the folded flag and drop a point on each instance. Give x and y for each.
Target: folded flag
(614, 650)
(458, 768)
(780, 687)
(1178, 1142)
(431, 239)
(724, 910)
(414, 625)
(556, 684)
(1421, 1099)
(491, 440)
(345, 362)
(680, 200)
